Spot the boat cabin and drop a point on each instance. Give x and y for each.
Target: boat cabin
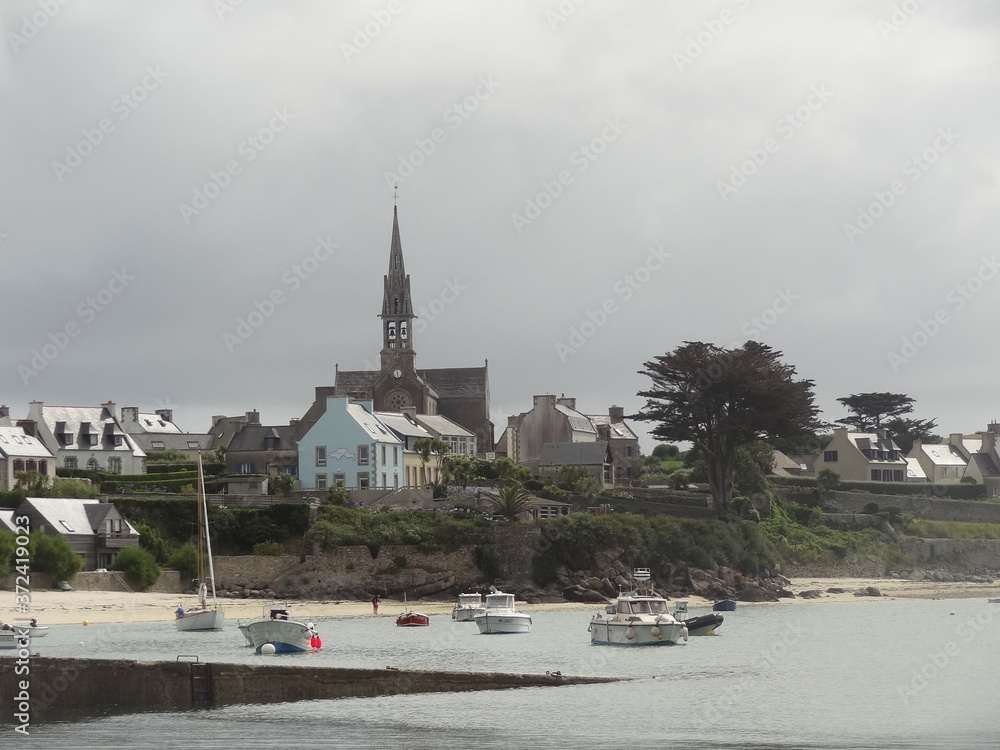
(639, 606)
(470, 600)
(499, 601)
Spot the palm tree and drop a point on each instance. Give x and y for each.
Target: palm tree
(509, 502)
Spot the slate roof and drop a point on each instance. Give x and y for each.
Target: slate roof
(360, 380)
(13, 442)
(574, 454)
(984, 461)
(74, 420)
(253, 437)
(7, 520)
(400, 424)
(457, 382)
(914, 470)
(442, 425)
(72, 515)
(371, 423)
(171, 441)
(156, 423)
(944, 455)
(616, 430)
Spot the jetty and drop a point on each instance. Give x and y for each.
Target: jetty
(123, 685)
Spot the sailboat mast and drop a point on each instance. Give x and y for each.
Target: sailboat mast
(208, 538)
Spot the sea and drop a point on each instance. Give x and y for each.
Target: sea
(817, 676)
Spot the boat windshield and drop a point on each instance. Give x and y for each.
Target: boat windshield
(498, 601)
(657, 607)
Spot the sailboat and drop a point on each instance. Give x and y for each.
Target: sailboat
(202, 617)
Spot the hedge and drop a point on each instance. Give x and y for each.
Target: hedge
(946, 491)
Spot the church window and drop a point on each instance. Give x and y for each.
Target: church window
(392, 329)
(402, 329)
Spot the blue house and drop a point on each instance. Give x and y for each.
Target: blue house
(349, 444)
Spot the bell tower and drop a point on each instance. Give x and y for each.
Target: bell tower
(397, 309)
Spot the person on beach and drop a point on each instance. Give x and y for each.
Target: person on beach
(375, 604)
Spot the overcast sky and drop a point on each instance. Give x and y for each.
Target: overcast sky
(195, 198)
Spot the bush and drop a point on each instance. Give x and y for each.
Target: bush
(151, 541)
(185, 561)
(268, 549)
(139, 567)
(54, 555)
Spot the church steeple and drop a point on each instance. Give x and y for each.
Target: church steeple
(397, 307)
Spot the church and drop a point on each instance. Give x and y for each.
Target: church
(460, 393)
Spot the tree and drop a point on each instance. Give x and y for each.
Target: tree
(72, 487)
(905, 431)
(54, 555)
(721, 399)
(869, 410)
(754, 462)
(283, 484)
(139, 567)
(650, 465)
(509, 502)
(32, 483)
(425, 447)
(663, 451)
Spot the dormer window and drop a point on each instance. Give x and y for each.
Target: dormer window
(156, 445)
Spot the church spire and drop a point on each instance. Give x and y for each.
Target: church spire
(397, 307)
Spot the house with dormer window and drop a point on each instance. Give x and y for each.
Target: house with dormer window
(863, 457)
(156, 431)
(22, 452)
(84, 437)
(348, 443)
(97, 531)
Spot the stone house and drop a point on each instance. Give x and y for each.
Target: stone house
(863, 457)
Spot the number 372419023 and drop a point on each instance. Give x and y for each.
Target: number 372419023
(23, 581)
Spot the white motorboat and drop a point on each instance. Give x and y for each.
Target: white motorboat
(499, 616)
(467, 607)
(204, 616)
(638, 618)
(16, 635)
(276, 633)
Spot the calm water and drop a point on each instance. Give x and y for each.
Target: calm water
(867, 674)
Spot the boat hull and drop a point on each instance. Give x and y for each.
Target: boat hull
(287, 636)
(201, 620)
(465, 614)
(704, 624)
(412, 620)
(8, 639)
(495, 623)
(606, 632)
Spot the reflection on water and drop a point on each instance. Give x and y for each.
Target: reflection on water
(869, 674)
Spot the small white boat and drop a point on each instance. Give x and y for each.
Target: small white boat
(11, 634)
(467, 607)
(499, 616)
(203, 616)
(276, 633)
(638, 618)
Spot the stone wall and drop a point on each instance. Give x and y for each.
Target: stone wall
(966, 555)
(515, 546)
(394, 570)
(919, 506)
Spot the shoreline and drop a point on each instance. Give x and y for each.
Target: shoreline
(52, 607)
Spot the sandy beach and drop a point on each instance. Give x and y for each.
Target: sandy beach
(61, 607)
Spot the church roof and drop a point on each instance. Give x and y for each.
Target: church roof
(359, 379)
(457, 382)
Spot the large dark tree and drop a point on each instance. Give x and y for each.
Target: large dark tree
(870, 410)
(904, 431)
(721, 399)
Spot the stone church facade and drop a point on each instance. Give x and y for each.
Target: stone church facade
(460, 393)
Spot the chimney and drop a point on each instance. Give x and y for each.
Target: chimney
(167, 415)
(130, 414)
(616, 413)
(410, 411)
(253, 417)
(989, 441)
(111, 408)
(4, 411)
